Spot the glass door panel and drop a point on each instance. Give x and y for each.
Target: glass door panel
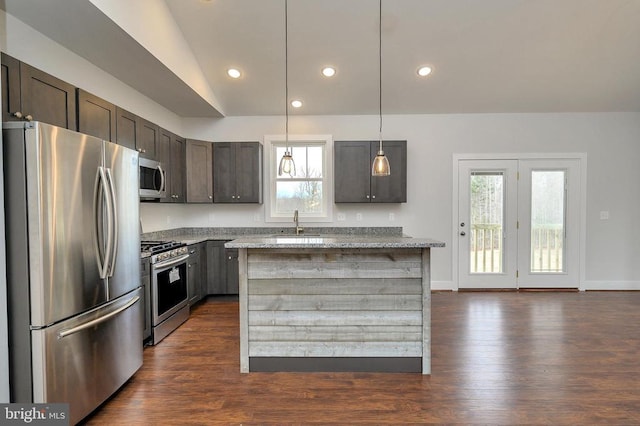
(487, 218)
(547, 220)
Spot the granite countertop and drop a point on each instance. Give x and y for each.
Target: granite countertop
(331, 241)
(191, 236)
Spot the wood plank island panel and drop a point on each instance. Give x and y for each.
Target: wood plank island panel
(304, 307)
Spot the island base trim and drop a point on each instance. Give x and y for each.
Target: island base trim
(336, 364)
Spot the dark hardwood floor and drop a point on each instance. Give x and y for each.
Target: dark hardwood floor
(498, 358)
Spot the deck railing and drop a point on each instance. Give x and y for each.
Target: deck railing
(486, 245)
(486, 248)
(547, 248)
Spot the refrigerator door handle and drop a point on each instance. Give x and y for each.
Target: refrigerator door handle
(114, 223)
(67, 332)
(98, 207)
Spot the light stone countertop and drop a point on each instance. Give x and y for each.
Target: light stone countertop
(191, 236)
(331, 241)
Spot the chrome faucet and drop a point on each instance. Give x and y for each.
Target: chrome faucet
(299, 229)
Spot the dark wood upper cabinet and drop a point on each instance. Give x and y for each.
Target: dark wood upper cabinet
(96, 117)
(171, 154)
(199, 178)
(126, 128)
(29, 94)
(11, 103)
(352, 171)
(164, 157)
(46, 98)
(237, 172)
(147, 139)
(178, 151)
(137, 133)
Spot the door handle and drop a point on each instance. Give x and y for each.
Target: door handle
(463, 233)
(94, 322)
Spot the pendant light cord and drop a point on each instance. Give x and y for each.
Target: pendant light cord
(286, 75)
(380, 70)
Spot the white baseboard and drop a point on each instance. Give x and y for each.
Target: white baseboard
(586, 285)
(443, 285)
(610, 285)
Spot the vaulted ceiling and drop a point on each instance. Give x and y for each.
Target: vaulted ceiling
(487, 55)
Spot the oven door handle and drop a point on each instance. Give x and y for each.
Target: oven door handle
(169, 263)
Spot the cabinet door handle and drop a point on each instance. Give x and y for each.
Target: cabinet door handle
(17, 114)
(210, 197)
(367, 196)
(373, 196)
(141, 150)
(237, 197)
(233, 197)
(28, 117)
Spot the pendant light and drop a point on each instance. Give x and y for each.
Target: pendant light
(380, 165)
(287, 166)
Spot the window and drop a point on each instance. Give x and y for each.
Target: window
(308, 190)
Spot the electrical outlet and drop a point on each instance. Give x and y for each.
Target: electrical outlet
(392, 217)
(359, 217)
(342, 217)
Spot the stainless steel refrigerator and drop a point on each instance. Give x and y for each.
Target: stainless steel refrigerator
(73, 266)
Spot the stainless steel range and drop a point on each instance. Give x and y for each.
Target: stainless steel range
(169, 297)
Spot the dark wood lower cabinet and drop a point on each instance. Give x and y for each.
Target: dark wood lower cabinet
(145, 281)
(222, 269)
(196, 272)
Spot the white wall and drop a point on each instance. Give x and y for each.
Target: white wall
(610, 140)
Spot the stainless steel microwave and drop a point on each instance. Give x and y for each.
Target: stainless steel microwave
(153, 182)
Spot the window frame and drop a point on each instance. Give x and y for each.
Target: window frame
(271, 143)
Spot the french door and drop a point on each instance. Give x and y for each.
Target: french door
(518, 223)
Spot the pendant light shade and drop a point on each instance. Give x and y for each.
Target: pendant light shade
(287, 165)
(380, 165)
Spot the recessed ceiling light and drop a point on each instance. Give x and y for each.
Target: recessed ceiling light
(296, 103)
(234, 73)
(328, 71)
(424, 71)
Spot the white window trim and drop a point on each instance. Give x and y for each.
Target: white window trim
(270, 172)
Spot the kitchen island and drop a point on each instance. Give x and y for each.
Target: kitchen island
(334, 303)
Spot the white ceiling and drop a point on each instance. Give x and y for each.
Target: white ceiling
(487, 55)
